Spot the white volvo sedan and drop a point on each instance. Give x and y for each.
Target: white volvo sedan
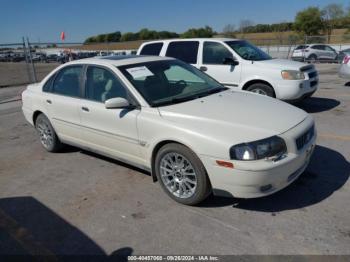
(194, 135)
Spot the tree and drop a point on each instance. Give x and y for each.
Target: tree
(145, 34)
(90, 40)
(167, 35)
(244, 25)
(229, 30)
(309, 21)
(113, 37)
(207, 31)
(128, 37)
(331, 16)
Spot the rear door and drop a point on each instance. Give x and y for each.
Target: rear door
(318, 51)
(186, 51)
(63, 102)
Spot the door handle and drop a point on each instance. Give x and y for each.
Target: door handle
(203, 68)
(49, 101)
(84, 108)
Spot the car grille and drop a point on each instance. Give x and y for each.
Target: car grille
(313, 83)
(307, 68)
(305, 138)
(313, 74)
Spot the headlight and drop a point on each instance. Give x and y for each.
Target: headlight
(269, 147)
(292, 75)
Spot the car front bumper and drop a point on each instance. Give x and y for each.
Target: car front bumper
(263, 177)
(290, 90)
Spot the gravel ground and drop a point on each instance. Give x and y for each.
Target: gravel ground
(12, 74)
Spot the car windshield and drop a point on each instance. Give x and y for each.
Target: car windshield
(248, 51)
(169, 82)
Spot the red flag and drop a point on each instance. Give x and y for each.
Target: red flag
(63, 36)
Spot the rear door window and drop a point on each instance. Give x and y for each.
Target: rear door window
(184, 50)
(68, 81)
(47, 86)
(301, 47)
(151, 49)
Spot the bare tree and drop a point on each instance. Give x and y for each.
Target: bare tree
(330, 16)
(229, 30)
(244, 24)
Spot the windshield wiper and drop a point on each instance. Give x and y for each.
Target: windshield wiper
(176, 100)
(213, 91)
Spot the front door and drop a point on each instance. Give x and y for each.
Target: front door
(213, 56)
(110, 131)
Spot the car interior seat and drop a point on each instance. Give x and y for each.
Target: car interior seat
(156, 88)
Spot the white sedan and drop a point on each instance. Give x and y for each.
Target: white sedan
(194, 135)
(344, 69)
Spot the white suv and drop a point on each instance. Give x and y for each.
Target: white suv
(315, 52)
(239, 64)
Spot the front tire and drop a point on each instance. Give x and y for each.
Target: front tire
(262, 89)
(48, 137)
(182, 174)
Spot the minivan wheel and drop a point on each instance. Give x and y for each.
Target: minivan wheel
(261, 89)
(47, 134)
(182, 174)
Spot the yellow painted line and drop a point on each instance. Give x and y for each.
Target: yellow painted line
(24, 238)
(343, 138)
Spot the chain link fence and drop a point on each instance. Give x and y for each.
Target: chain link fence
(28, 62)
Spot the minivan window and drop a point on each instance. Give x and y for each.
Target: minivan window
(151, 49)
(184, 50)
(248, 51)
(101, 85)
(67, 81)
(215, 53)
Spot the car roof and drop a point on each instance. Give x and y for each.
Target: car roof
(222, 39)
(119, 60)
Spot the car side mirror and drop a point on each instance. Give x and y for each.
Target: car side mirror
(230, 61)
(117, 102)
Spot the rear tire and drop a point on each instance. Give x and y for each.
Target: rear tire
(312, 59)
(261, 89)
(182, 174)
(48, 137)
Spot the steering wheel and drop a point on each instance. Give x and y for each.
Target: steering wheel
(245, 56)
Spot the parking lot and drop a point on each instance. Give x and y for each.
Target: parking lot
(76, 202)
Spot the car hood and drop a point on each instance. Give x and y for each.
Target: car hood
(282, 64)
(240, 114)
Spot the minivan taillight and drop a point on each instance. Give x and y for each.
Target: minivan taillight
(346, 59)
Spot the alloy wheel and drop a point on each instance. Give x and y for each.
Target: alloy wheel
(178, 175)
